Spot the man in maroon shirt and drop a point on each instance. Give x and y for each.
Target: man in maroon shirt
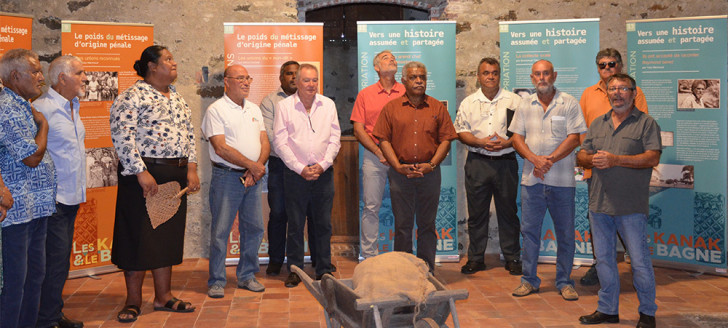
(415, 131)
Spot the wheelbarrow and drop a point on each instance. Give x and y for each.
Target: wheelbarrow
(344, 308)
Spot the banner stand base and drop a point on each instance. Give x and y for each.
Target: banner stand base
(92, 271)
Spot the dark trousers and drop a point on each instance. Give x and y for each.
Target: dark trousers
(23, 272)
(59, 240)
(278, 220)
(497, 179)
(317, 198)
(415, 200)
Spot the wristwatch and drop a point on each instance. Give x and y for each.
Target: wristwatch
(432, 165)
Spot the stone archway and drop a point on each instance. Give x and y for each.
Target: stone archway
(434, 7)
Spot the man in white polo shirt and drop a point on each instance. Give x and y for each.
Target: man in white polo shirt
(239, 151)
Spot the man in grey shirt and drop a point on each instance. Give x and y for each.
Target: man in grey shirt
(621, 147)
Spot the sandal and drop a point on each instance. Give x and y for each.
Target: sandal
(131, 310)
(181, 306)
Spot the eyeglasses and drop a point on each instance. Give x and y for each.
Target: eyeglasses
(241, 79)
(621, 89)
(604, 65)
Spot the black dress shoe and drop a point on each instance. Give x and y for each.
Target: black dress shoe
(319, 276)
(472, 267)
(646, 321)
(598, 317)
(293, 280)
(514, 267)
(273, 269)
(66, 322)
(590, 278)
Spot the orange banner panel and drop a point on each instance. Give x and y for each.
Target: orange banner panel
(94, 229)
(108, 52)
(262, 48)
(16, 31)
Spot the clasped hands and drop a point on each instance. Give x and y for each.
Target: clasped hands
(604, 159)
(417, 170)
(493, 142)
(254, 173)
(542, 165)
(312, 172)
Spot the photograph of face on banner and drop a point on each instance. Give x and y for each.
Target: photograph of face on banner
(698, 94)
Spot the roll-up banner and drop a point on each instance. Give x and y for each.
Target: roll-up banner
(681, 65)
(16, 31)
(262, 48)
(433, 44)
(108, 52)
(571, 45)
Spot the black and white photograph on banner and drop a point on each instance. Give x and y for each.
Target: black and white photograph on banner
(101, 166)
(102, 86)
(673, 176)
(699, 93)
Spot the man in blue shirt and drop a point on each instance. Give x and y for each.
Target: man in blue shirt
(30, 175)
(66, 135)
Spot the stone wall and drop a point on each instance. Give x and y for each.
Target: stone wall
(193, 32)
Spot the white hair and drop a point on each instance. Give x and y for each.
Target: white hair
(61, 65)
(15, 60)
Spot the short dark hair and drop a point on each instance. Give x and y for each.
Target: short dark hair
(288, 63)
(623, 77)
(489, 61)
(609, 52)
(150, 55)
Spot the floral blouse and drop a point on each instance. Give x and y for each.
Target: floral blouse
(145, 123)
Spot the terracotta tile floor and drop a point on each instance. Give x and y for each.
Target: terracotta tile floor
(684, 300)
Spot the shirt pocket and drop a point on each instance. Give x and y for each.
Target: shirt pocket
(558, 127)
(630, 146)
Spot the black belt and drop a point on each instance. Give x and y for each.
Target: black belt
(178, 162)
(505, 157)
(225, 167)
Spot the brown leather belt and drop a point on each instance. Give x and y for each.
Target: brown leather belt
(178, 162)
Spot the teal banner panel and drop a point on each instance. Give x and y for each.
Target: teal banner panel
(681, 66)
(571, 46)
(433, 44)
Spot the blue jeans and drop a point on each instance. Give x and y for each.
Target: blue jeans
(59, 240)
(559, 201)
(228, 196)
(317, 198)
(633, 229)
(23, 271)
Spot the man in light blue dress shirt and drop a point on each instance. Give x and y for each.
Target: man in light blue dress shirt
(66, 134)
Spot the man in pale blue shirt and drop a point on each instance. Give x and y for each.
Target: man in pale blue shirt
(66, 134)
(546, 129)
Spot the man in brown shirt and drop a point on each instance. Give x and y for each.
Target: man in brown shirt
(415, 132)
